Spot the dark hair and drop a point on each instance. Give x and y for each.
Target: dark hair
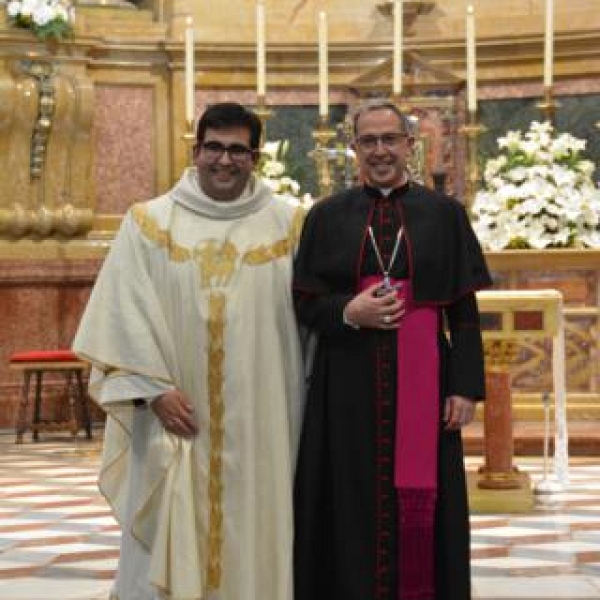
(381, 104)
(229, 114)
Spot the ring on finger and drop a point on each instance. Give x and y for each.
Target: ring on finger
(387, 319)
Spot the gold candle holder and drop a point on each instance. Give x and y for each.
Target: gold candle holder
(189, 137)
(548, 105)
(472, 130)
(264, 113)
(403, 106)
(323, 134)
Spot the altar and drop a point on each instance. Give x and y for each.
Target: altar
(576, 274)
(97, 121)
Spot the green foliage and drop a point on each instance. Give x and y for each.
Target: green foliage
(47, 21)
(57, 29)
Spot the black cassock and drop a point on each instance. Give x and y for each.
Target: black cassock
(346, 534)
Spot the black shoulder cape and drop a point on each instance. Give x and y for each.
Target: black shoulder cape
(445, 258)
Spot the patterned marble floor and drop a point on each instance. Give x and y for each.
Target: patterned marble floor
(59, 542)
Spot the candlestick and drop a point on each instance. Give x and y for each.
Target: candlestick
(549, 44)
(322, 154)
(264, 113)
(323, 66)
(261, 73)
(189, 70)
(548, 104)
(471, 61)
(472, 130)
(397, 62)
(189, 138)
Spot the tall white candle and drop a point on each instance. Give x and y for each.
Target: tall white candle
(261, 71)
(189, 70)
(323, 66)
(471, 60)
(549, 43)
(397, 60)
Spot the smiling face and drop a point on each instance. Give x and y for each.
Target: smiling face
(221, 176)
(382, 148)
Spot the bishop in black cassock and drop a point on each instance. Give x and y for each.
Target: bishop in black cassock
(380, 497)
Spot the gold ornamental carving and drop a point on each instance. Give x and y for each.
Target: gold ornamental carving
(411, 11)
(500, 355)
(46, 189)
(42, 72)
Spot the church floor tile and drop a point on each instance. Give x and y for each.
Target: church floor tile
(58, 540)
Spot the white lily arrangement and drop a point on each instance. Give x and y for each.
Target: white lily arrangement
(46, 18)
(538, 193)
(273, 171)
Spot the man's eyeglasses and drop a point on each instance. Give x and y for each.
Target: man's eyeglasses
(390, 141)
(213, 151)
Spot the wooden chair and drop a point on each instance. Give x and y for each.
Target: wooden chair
(38, 363)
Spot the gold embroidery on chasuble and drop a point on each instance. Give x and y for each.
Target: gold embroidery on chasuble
(217, 263)
(216, 355)
(161, 237)
(266, 253)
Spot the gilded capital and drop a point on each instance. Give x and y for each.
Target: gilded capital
(500, 354)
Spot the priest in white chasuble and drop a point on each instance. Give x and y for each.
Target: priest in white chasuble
(191, 333)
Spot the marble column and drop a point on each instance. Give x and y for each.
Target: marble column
(498, 471)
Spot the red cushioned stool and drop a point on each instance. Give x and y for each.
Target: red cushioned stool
(57, 361)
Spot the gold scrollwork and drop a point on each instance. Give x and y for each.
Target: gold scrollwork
(69, 220)
(43, 73)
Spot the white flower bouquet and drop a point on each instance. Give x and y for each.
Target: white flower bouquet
(538, 193)
(46, 18)
(273, 171)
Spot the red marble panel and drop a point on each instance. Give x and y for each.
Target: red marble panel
(124, 156)
(529, 320)
(577, 287)
(533, 89)
(41, 303)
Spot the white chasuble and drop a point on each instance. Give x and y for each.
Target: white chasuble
(196, 295)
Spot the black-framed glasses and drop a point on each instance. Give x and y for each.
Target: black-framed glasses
(214, 150)
(390, 141)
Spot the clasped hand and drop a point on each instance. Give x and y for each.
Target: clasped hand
(176, 413)
(458, 412)
(372, 308)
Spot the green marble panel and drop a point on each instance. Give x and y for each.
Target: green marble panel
(296, 124)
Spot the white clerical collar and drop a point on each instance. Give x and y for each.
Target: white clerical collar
(188, 192)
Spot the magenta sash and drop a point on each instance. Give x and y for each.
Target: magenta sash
(416, 446)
